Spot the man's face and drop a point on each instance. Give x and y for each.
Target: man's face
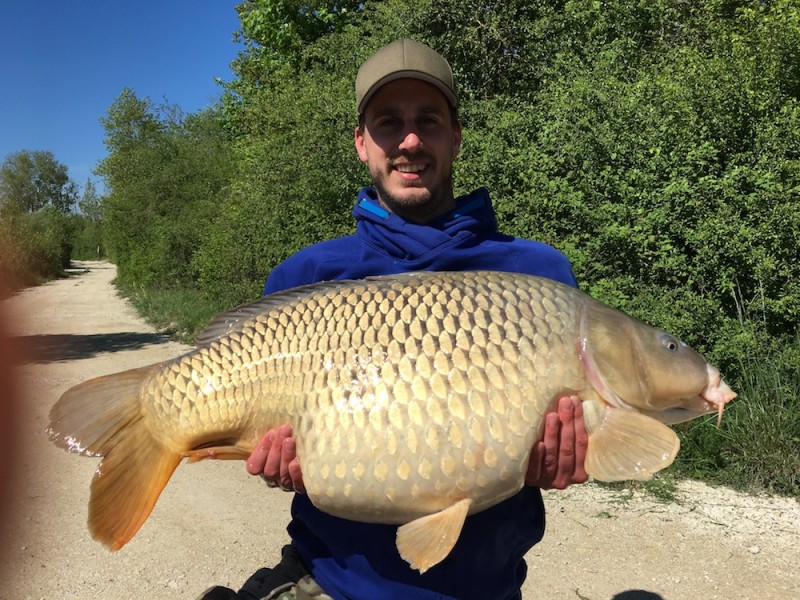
(408, 143)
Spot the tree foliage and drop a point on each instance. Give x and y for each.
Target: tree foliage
(87, 241)
(165, 175)
(32, 180)
(34, 247)
(280, 29)
(655, 143)
(36, 198)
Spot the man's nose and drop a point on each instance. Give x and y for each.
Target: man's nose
(411, 141)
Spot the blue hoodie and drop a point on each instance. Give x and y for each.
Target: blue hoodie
(352, 560)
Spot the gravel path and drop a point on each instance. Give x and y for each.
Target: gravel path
(215, 524)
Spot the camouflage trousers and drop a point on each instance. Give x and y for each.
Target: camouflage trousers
(305, 589)
(289, 580)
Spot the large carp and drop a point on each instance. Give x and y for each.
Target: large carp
(415, 399)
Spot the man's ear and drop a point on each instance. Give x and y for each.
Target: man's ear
(456, 140)
(359, 143)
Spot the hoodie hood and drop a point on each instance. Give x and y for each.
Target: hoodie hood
(403, 240)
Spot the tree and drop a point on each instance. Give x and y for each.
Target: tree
(284, 27)
(34, 179)
(90, 203)
(88, 224)
(165, 175)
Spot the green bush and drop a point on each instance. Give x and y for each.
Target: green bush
(166, 175)
(34, 247)
(663, 161)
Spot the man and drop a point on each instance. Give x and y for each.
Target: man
(408, 136)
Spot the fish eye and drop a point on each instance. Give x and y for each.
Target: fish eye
(670, 342)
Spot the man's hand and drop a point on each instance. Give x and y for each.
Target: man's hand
(557, 459)
(275, 459)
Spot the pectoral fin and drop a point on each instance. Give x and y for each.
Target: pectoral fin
(625, 444)
(428, 540)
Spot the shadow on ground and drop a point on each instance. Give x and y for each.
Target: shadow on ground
(44, 349)
(637, 595)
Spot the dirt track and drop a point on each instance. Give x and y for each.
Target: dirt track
(215, 524)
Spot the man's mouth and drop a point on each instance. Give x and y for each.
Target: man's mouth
(410, 167)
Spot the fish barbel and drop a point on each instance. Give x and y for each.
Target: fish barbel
(415, 399)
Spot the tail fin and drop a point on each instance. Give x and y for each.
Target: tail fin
(103, 417)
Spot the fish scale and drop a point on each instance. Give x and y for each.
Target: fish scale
(415, 399)
(353, 387)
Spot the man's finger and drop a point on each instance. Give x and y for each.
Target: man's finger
(581, 445)
(297, 477)
(288, 454)
(566, 443)
(257, 458)
(552, 431)
(272, 467)
(534, 473)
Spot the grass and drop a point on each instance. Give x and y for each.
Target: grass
(663, 487)
(757, 446)
(179, 313)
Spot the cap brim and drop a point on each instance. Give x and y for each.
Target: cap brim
(447, 92)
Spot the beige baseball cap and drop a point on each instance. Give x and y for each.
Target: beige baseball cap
(404, 59)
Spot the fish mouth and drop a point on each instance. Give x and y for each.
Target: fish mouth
(717, 393)
(712, 398)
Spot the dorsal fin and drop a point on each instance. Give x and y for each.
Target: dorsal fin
(235, 319)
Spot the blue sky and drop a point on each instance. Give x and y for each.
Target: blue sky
(65, 61)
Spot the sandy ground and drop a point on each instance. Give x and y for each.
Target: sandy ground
(216, 524)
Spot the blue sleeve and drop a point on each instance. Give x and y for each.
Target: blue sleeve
(278, 280)
(298, 269)
(339, 258)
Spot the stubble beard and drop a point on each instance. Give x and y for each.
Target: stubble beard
(422, 206)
